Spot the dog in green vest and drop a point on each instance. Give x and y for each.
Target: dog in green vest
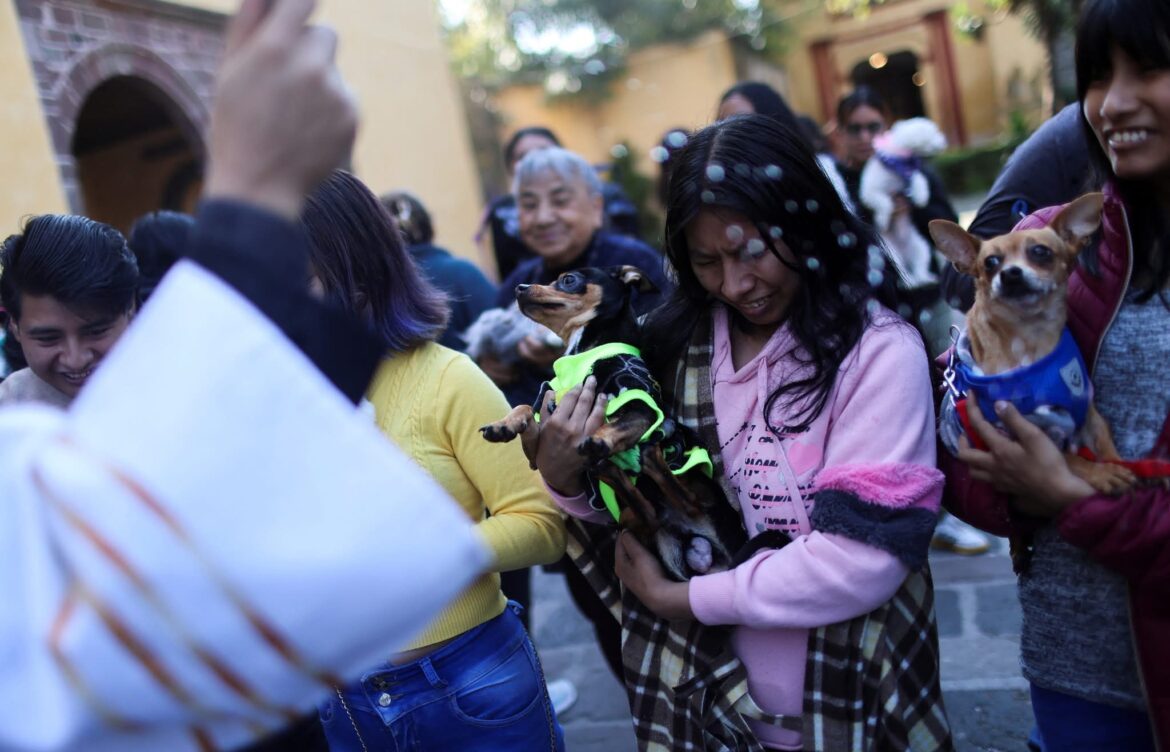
(648, 472)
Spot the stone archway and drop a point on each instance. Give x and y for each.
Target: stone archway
(77, 48)
(135, 151)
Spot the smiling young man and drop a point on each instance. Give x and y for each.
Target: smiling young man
(69, 285)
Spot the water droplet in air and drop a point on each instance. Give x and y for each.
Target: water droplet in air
(715, 173)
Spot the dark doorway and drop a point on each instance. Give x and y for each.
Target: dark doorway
(897, 79)
(136, 152)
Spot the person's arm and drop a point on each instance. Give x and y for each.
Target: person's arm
(525, 527)
(875, 507)
(1129, 534)
(263, 257)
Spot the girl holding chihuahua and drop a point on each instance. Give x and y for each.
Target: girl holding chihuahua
(1095, 586)
(778, 347)
(472, 680)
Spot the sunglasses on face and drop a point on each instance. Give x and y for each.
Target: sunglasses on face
(856, 129)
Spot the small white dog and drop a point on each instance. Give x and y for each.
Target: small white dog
(895, 169)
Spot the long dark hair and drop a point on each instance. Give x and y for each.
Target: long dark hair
(357, 253)
(1139, 28)
(754, 166)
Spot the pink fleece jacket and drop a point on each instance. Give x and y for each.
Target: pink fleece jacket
(869, 461)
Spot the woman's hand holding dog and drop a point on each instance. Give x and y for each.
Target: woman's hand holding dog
(641, 572)
(1030, 467)
(577, 415)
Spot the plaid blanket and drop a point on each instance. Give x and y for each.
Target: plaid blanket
(871, 683)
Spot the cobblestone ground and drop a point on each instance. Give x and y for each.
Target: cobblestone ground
(979, 624)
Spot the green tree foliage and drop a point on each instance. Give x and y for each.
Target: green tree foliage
(505, 41)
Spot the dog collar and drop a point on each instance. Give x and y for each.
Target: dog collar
(1059, 379)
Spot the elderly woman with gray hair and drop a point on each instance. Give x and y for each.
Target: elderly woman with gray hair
(561, 217)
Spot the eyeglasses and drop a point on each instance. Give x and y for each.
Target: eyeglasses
(856, 129)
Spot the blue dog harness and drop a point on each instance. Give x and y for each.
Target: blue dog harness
(1054, 387)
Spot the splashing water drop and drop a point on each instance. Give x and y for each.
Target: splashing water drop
(776, 232)
(813, 263)
(743, 170)
(734, 233)
(812, 206)
(773, 172)
(678, 139)
(846, 240)
(756, 247)
(619, 151)
(715, 173)
(872, 307)
(791, 206)
(707, 197)
(875, 277)
(659, 154)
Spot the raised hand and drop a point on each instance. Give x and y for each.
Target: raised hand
(282, 117)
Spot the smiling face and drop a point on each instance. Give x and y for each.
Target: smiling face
(558, 216)
(1128, 108)
(732, 263)
(62, 347)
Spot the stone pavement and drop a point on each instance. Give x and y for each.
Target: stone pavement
(979, 624)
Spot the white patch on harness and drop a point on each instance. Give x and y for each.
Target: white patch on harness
(1073, 376)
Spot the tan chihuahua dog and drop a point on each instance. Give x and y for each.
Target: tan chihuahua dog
(1017, 347)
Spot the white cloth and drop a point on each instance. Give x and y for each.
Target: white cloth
(279, 507)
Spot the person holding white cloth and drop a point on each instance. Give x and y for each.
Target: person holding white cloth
(171, 580)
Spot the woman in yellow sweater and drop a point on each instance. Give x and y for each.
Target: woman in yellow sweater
(472, 680)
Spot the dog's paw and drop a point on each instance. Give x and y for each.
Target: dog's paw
(594, 449)
(500, 432)
(700, 556)
(1109, 478)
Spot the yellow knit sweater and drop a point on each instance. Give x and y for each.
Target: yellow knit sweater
(431, 402)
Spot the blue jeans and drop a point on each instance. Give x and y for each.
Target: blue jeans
(482, 692)
(1070, 724)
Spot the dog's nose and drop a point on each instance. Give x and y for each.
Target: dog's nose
(1012, 274)
(521, 289)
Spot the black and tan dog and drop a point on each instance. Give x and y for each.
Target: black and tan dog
(649, 471)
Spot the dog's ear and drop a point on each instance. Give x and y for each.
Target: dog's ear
(632, 275)
(1077, 221)
(958, 245)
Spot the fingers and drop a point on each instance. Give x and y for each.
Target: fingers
(585, 402)
(286, 18)
(244, 23)
(546, 406)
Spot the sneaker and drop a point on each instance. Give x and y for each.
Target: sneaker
(563, 694)
(956, 536)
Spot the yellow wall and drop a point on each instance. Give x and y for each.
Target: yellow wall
(29, 183)
(413, 133)
(680, 86)
(664, 87)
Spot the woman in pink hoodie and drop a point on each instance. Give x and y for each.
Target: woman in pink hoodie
(778, 349)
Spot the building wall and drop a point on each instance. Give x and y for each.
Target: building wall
(985, 72)
(31, 184)
(665, 87)
(672, 86)
(413, 132)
